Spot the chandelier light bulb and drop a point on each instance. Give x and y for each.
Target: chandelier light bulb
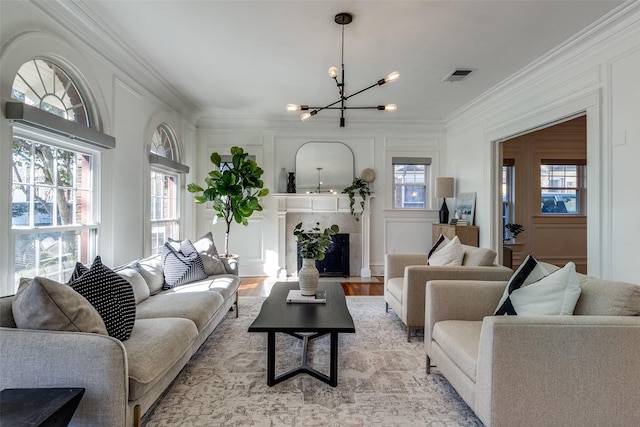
(392, 76)
(305, 116)
(333, 72)
(293, 107)
(391, 107)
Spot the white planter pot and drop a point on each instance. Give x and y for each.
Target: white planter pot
(308, 277)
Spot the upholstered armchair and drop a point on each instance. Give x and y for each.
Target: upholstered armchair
(406, 276)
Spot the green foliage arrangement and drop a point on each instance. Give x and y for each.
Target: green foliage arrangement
(315, 242)
(235, 189)
(514, 229)
(358, 187)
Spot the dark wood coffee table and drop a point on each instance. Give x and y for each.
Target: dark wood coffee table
(306, 322)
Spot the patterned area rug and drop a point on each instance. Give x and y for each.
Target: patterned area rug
(381, 379)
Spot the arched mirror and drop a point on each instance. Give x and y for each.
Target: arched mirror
(323, 167)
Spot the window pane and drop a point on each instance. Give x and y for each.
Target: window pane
(560, 188)
(51, 254)
(410, 189)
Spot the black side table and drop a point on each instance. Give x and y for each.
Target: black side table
(44, 407)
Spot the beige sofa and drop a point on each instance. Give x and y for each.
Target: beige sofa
(580, 370)
(406, 276)
(122, 378)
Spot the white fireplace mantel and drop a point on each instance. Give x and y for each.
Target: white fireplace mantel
(321, 203)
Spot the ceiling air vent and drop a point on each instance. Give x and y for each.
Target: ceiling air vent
(458, 74)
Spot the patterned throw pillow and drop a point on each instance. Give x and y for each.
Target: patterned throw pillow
(181, 266)
(78, 271)
(450, 255)
(439, 244)
(532, 291)
(111, 295)
(205, 246)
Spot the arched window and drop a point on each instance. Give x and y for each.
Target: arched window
(53, 217)
(165, 180)
(44, 85)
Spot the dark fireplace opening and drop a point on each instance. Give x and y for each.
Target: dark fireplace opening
(336, 258)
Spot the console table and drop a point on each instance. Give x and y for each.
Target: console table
(468, 234)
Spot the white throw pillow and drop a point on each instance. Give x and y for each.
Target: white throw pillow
(440, 243)
(531, 291)
(451, 254)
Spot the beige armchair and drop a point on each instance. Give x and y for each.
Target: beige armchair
(579, 370)
(406, 276)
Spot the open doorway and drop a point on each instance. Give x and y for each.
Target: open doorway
(544, 189)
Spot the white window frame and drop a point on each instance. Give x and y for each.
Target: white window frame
(93, 227)
(414, 159)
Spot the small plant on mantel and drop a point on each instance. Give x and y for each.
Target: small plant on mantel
(315, 242)
(514, 229)
(358, 187)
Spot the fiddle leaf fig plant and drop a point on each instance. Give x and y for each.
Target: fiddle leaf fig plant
(359, 187)
(235, 189)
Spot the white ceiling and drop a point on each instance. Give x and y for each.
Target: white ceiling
(251, 58)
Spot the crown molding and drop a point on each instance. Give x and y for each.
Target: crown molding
(584, 41)
(89, 29)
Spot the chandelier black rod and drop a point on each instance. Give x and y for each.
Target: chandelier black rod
(344, 19)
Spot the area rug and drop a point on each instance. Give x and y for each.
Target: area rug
(381, 379)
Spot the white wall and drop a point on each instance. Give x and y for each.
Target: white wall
(126, 110)
(597, 73)
(275, 146)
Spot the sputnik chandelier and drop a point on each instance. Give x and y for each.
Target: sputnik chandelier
(344, 19)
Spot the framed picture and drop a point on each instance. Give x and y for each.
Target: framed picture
(465, 206)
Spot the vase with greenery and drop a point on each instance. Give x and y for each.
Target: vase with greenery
(359, 187)
(514, 230)
(234, 187)
(313, 245)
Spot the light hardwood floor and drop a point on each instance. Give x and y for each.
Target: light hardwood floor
(261, 286)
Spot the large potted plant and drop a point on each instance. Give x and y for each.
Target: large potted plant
(234, 188)
(313, 244)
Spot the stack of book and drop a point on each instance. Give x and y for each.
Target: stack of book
(459, 222)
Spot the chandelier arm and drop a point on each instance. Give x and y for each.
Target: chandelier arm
(360, 91)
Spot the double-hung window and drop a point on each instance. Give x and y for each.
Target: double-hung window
(562, 184)
(165, 187)
(410, 177)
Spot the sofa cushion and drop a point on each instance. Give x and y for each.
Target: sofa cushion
(154, 347)
(151, 269)
(478, 256)
(529, 294)
(607, 298)
(224, 284)
(43, 303)
(460, 341)
(199, 307)
(451, 254)
(138, 284)
(181, 265)
(111, 295)
(205, 246)
(395, 286)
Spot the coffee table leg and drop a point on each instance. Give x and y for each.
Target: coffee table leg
(271, 358)
(333, 369)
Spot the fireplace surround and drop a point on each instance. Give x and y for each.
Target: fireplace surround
(336, 260)
(327, 209)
